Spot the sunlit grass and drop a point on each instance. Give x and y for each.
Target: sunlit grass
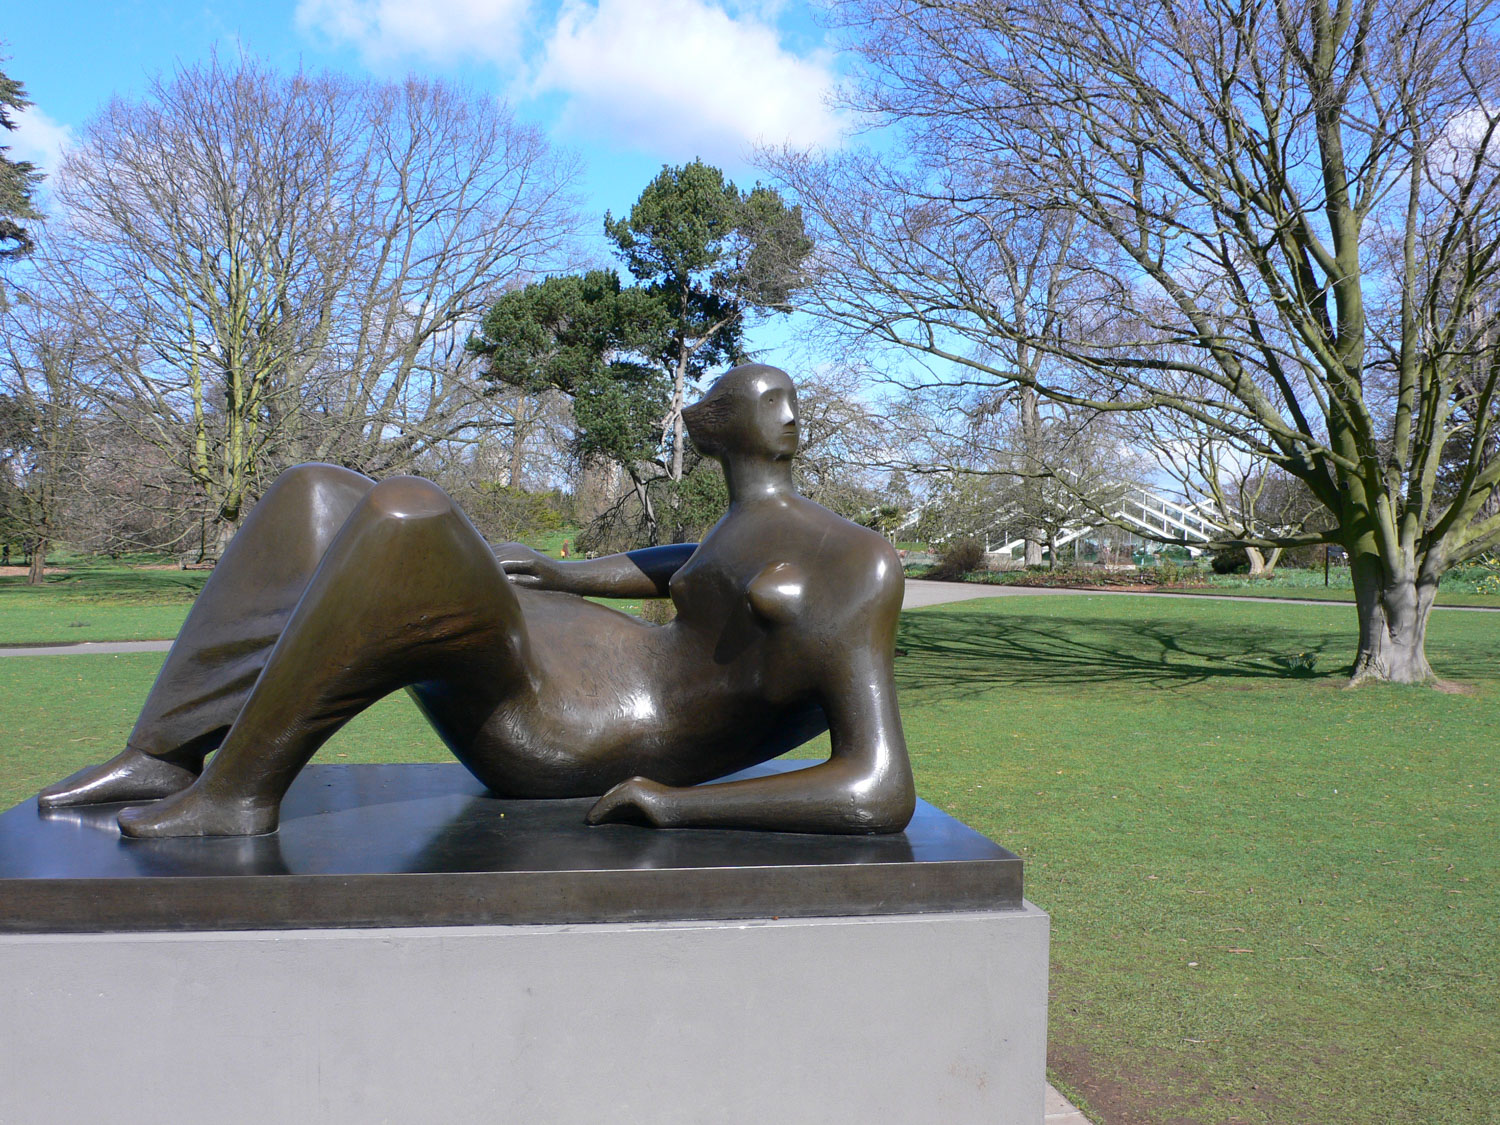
(1273, 899)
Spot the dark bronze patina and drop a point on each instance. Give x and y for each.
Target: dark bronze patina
(338, 591)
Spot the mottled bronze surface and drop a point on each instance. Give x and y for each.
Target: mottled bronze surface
(408, 845)
(338, 591)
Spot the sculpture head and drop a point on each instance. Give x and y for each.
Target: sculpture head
(750, 410)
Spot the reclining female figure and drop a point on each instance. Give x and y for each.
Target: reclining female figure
(338, 591)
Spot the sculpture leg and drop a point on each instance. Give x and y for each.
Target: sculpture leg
(409, 592)
(224, 643)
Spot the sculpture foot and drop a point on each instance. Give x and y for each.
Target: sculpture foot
(192, 813)
(129, 776)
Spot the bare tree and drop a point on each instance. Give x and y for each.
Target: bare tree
(842, 446)
(1004, 469)
(42, 428)
(1256, 503)
(1291, 223)
(277, 267)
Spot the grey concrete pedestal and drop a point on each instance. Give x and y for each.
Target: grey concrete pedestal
(905, 1019)
(411, 949)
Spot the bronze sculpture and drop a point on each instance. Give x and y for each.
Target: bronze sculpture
(338, 591)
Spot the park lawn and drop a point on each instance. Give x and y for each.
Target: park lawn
(97, 601)
(1324, 594)
(100, 601)
(91, 702)
(60, 623)
(1273, 900)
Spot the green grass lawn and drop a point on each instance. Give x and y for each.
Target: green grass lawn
(1325, 594)
(97, 601)
(1273, 900)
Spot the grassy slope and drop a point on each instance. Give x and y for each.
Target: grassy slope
(1272, 900)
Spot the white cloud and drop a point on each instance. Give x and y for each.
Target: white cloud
(1465, 136)
(383, 30)
(687, 75)
(38, 138)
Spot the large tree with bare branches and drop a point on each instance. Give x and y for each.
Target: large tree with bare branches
(43, 427)
(1287, 218)
(271, 268)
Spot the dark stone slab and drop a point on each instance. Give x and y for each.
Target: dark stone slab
(425, 845)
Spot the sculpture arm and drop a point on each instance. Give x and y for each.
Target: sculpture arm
(865, 786)
(632, 574)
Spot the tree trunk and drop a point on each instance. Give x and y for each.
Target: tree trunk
(1262, 564)
(1393, 613)
(517, 457)
(37, 574)
(223, 532)
(1031, 487)
(679, 400)
(1051, 551)
(643, 496)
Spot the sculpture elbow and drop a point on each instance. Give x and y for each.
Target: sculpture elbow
(881, 806)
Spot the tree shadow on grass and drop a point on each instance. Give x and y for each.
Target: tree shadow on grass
(958, 654)
(118, 583)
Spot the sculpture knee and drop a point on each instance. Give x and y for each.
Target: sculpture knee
(317, 486)
(408, 500)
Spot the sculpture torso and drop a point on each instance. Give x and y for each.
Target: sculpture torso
(732, 681)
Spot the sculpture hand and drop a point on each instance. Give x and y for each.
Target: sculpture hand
(636, 801)
(527, 567)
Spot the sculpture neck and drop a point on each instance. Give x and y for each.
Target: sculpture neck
(757, 478)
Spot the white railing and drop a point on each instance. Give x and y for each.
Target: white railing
(1160, 517)
(1190, 525)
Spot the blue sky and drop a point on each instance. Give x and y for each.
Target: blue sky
(628, 84)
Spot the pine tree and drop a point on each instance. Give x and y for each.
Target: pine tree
(18, 178)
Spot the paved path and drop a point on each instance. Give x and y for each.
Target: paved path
(85, 648)
(1060, 1111)
(919, 592)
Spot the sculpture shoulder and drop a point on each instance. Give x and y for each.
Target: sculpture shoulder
(831, 563)
(863, 555)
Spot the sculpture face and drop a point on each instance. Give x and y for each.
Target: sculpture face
(775, 416)
(750, 411)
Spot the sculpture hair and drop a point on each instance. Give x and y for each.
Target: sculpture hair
(706, 419)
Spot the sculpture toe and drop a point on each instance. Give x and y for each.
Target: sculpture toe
(192, 814)
(129, 776)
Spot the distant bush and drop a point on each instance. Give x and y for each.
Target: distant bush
(957, 558)
(502, 512)
(658, 611)
(1230, 560)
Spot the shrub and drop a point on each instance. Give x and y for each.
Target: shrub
(658, 611)
(956, 558)
(1230, 560)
